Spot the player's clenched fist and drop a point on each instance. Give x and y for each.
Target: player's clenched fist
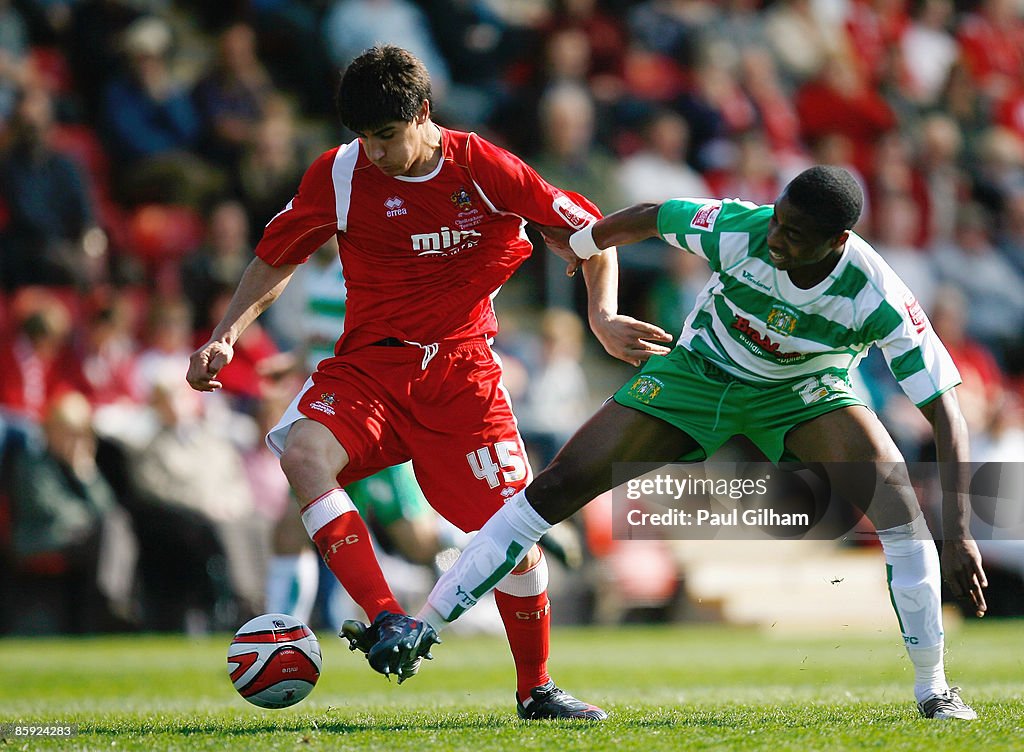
(205, 364)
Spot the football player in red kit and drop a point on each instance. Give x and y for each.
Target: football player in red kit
(430, 223)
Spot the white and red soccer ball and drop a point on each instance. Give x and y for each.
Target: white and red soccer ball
(274, 660)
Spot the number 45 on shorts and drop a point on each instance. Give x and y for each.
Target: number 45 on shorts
(506, 459)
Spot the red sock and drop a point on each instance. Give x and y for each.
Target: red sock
(528, 627)
(344, 544)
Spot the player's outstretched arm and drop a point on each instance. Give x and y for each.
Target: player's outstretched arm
(259, 287)
(961, 560)
(593, 249)
(623, 337)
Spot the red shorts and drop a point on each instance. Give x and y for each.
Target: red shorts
(452, 418)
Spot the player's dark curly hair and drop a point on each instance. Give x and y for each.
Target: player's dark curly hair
(384, 84)
(829, 195)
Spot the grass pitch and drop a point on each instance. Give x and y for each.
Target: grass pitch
(667, 688)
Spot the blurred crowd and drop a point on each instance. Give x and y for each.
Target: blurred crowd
(145, 143)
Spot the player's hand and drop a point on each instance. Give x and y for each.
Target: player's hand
(205, 364)
(557, 239)
(630, 340)
(961, 566)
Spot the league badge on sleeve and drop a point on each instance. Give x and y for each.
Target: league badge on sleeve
(706, 216)
(914, 312)
(573, 213)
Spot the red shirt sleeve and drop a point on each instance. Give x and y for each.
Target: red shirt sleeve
(307, 221)
(513, 186)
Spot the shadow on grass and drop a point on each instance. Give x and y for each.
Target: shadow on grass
(623, 718)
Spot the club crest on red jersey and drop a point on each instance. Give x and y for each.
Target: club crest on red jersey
(324, 404)
(462, 200)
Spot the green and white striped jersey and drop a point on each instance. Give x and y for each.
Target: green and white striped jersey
(754, 323)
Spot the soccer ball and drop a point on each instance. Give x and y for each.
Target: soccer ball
(274, 660)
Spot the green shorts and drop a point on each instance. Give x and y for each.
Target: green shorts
(698, 397)
(388, 496)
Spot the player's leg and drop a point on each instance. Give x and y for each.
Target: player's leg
(669, 411)
(312, 460)
(581, 471)
(467, 473)
(859, 456)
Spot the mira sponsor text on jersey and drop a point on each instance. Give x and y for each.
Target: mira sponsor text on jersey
(423, 256)
(755, 324)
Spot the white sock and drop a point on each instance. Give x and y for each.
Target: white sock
(912, 565)
(292, 581)
(494, 551)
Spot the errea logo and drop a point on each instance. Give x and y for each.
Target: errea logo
(395, 207)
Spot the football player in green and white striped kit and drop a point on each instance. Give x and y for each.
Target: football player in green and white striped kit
(795, 301)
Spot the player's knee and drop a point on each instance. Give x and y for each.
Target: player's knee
(307, 468)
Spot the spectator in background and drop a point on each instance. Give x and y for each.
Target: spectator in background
(774, 106)
(152, 126)
(192, 498)
(37, 363)
(659, 170)
(556, 401)
(939, 148)
(220, 261)
(108, 351)
(840, 101)
(873, 29)
(990, 43)
(49, 209)
(716, 108)
(928, 51)
(166, 340)
(998, 167)
(234, 97)
(801, 41)
(1010, 239)
(269, 171)
(896, 220)
(352, 26)
(562, 61)
(981, 394)
(570, 155)
(477, 44)
(673, 28)
(606, 44)
(13, 54)
(257, 360)
(146, 109)
(752, 172)
(994, 289)
(74, 543)
(94, 47)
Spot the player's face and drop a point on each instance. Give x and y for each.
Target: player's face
(400, 148)
(793, 240)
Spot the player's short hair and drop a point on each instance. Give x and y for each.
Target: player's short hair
(829, 195)
(384, 84)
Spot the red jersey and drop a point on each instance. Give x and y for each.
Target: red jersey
(423, 256)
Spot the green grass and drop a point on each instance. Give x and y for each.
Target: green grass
(667, 688)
